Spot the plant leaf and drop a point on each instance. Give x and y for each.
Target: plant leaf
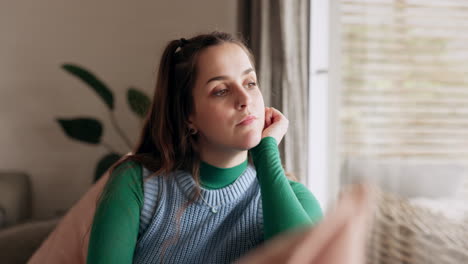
(82, 129)
(104, 164)
(89, 78)
(138, 101)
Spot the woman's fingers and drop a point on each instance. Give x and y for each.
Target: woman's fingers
(276, 124)
(268, 115)
(277, 116)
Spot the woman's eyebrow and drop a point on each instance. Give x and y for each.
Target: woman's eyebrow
(223, 77)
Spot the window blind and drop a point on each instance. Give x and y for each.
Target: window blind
(404, 84)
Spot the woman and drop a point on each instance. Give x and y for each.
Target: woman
(205, 183)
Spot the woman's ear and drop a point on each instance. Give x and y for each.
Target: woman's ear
(191, 126)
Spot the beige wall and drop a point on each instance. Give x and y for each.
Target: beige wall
(120, 41)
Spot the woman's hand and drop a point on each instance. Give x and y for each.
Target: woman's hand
(276, 124)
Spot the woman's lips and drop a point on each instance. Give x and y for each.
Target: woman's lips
(247, 120)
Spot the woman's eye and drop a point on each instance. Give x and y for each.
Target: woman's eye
(221, 92)
(252, 84)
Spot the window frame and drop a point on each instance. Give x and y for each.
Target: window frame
(323, 159)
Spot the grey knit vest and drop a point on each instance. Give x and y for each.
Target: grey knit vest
(205, 237)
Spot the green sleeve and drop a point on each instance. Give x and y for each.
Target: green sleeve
(286, 205)
(115, 225)
(308, 201)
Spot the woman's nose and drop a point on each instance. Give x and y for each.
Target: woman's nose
(243, 98)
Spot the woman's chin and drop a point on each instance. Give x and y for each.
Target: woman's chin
(250, 141)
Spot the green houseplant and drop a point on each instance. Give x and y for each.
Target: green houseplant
(89, 130)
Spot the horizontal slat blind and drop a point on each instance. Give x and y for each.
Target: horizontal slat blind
(404, 78)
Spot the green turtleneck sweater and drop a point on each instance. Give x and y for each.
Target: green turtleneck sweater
(280, 198)
(212, 177)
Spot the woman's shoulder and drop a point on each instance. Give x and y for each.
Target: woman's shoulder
(127, 167)
(127, 175)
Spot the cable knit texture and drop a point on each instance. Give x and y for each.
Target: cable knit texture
(205, 237)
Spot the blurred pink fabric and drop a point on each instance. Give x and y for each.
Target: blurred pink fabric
(339, 238)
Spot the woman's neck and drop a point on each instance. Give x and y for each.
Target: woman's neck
(212, 177)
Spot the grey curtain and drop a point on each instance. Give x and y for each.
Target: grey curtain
(277, 33)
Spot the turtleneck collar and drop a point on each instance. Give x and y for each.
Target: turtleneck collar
(212, 177)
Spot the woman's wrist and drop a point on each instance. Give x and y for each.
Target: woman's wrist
(266, 144)
(269, 140)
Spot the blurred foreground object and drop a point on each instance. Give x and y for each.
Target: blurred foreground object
(339, 238)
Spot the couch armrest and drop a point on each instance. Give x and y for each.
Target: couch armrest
(18, 242)
(15, 197)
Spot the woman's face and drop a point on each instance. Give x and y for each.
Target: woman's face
(229, 109)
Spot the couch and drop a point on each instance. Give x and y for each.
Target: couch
(20, 235)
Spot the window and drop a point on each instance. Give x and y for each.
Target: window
(388, 79)
(404, 78)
